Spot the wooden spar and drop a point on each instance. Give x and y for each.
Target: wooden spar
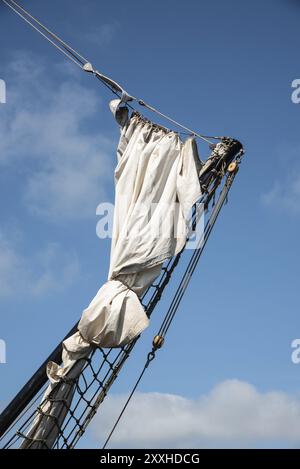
(30, 389)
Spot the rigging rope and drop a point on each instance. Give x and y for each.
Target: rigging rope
(150, 357)
(192, 264)
(54, 36)
(76, 61)
(159, 338)
(85, 65)
(27, 408)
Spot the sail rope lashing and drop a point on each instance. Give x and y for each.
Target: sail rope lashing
(85, 65)
(91, 386)
(96, 380)
(92, 377)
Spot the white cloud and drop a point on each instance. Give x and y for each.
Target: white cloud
(233, 414)
(284, 195)
(50, 269)
(46, 134)
(103, 34)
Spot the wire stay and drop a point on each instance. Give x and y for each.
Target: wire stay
(79, 60)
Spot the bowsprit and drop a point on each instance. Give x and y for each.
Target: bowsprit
(158, 164)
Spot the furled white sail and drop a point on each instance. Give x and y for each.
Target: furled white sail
(156, 184)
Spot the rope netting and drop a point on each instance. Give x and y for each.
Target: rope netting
(89, 390)
(82, 395)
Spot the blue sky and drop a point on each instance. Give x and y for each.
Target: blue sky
(222, 68)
